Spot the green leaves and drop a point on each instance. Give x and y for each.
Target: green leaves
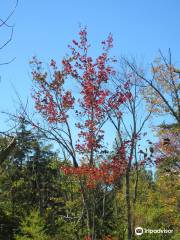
(32, 227)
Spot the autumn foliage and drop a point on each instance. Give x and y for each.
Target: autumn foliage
(92, 105)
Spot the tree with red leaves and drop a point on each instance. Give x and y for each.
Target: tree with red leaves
(92, 106)
(90, 109)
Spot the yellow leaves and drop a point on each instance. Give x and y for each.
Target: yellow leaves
(39, 76)
(164, 82)
(155, 101)
(171, 68)
(166, 148)
(56, 199)
(70, 205)
(172, 130)
(155, 69)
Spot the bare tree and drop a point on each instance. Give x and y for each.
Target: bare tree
(5, 23)
(130, 130)
(162, 88)
(10, 28)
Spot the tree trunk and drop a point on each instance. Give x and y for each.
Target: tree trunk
(128, 203)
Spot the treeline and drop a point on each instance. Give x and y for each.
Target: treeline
(38, 201)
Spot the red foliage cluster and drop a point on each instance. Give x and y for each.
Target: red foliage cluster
(96, 99)
(107, 172)
(168, 146)
(92, 76)
(51, 100)
(87, 238)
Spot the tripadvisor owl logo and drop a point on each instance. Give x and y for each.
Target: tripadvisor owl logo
(138, 231)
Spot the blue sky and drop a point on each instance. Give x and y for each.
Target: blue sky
(45, 28)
